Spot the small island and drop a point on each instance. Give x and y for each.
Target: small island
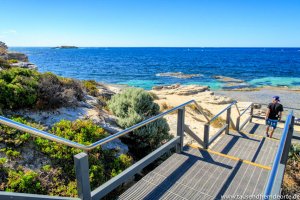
(65, 47)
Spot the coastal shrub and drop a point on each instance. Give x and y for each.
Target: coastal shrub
(56, 183)
(80, 131)
(23, 181)
(18, 88)
(13, 137)
(91, 87)
(4, 64)
(54, 91)
(83, 132)
(132, 106)
(25, 88)
(154, 96)
(12, 61)
(12, 153)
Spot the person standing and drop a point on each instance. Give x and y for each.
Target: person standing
(273, 115)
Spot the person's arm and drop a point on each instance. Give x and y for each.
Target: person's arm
(279, 116)
(280, 113)
(267, 114)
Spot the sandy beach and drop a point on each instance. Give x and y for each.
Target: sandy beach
(289, 98)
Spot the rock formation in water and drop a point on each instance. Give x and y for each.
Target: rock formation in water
(178, 75)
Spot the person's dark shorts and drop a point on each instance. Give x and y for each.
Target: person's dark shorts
(272, 122)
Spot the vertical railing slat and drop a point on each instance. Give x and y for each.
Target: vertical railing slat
(228, 117)
(180, 128)
(206, 136)
(82, 176)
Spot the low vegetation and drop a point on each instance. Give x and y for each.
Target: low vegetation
(164, 106)
(91, 87)
(4, 64)
(58, 180)
(25, 88)
(54, 91)
(291, 183)
(132, 106)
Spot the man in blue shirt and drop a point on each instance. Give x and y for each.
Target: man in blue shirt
(273, 115)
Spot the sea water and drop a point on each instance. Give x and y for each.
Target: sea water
(140, 66)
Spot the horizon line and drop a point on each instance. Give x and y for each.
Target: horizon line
(150, 46)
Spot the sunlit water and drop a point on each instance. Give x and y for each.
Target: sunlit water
(139, 66)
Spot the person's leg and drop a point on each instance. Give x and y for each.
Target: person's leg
(268, 126)
(272, 131)
(274, 125)
(267, 131)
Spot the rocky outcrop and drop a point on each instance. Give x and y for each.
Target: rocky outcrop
(211, 98)
(226, 79)
(27, 65)
(178, 75)
(17, 56)
(232, 83)
(3, 48)
(177, 89)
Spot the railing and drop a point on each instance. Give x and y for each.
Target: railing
(249, 119)
(206, 140)
(81, 159)
(273, 187)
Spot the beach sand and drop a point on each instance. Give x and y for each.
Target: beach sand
(215, 101)
(289, 98)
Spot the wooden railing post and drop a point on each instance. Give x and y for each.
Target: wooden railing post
(228, 117)
(82, 176)
(180, 128)
(238, 119)
(206, 136)
(251, 112)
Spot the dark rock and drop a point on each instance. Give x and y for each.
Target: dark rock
(17, 56)
(178, 75)
(226, 79)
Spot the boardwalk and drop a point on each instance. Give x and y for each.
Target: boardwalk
(238, 164)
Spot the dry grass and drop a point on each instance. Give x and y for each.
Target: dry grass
(218, 123)
(154, 96)
(164, 106)
(291, 181)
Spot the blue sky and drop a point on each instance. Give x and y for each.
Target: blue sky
(158, 23)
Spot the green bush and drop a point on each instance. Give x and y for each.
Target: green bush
(23, 181)
(12, 153)
(59, 181)
(83, 132)
(133, 106)
(91, 87)
(80, 131)
(4, 64)
(11, 61)
(54, 91)
(18, 88)
(25, 88)
(13, 137)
